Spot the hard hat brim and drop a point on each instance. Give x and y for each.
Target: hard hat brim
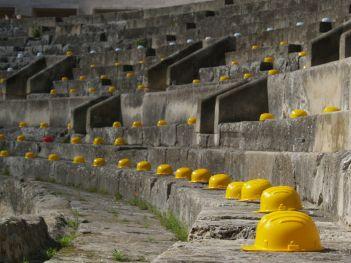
(253, 248)
(214, 188)
(249, 200)
(231, 198)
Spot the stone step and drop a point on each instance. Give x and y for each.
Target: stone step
(317, 133)
(307, 172)
(189, 202)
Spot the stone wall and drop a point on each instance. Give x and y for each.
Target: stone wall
(56, 112)
(24, 7)
(310, 89)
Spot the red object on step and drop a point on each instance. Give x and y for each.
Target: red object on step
(48, 138)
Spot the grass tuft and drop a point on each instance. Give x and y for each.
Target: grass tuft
(118, 197)
(66, 241)
(50, 252)
(119, 256)
(168, 220)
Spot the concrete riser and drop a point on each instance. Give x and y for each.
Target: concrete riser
(318, 133)
(321, 179)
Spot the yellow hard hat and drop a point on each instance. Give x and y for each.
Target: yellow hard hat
(69, 126)
(183, 173)
(123, 163)
(247, 75)
(200, 176)
(43, 125)
(140, 86)
(286, 231)
(283, 43)
(234, 62)
(116, 124)
(279, 198)
(53, 157)
(191, 121)
(298, 113)
(234, 190)
(76, 140)
(143, 166)
(266, 116)
(29, 155)
(21, 138)
(92, 65)
(136, 124)
(92, 90)
(99, 162)
(164, 169)
(224, 78)
(111, 89)
(254, 47)
(268, 59)
(119, 141)
(78, 159)
(219, 181)
(64, 78)
(272, 72)
(117, 64)
(69, 53)
(130, 74)
(102, 77)
(4, 153)
(141, 62)
(98, 141)
(53, 92)
(2, 137)
(72, 91)
(22, 124)
(329, 109)
(302, 54)
(82, 77)
(196, 81)
(161, 123)
(253, 189)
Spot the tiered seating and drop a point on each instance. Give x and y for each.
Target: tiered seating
(204, 114)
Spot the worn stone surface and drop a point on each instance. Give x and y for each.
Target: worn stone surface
(215, 250)
(23, 237)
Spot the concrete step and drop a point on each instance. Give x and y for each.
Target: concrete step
(193, 205)
(318, 133)
(308, 172)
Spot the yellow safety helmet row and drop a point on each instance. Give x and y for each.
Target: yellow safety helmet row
(297, 113)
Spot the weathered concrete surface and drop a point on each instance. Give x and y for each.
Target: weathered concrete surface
(209, 56)
(206, 109)
(56, 111)
(105, 224)
(307, 172)
(104, 113)
(326, 48)
(16, 85)
(318, 133)
(79, 115)
(209, 214)
(310, 89)
(229, 251)
(241, 104)
(157, 74)
(22, 237)
(42, 81)
(169, 135)
(175, 105)
(102, 224)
